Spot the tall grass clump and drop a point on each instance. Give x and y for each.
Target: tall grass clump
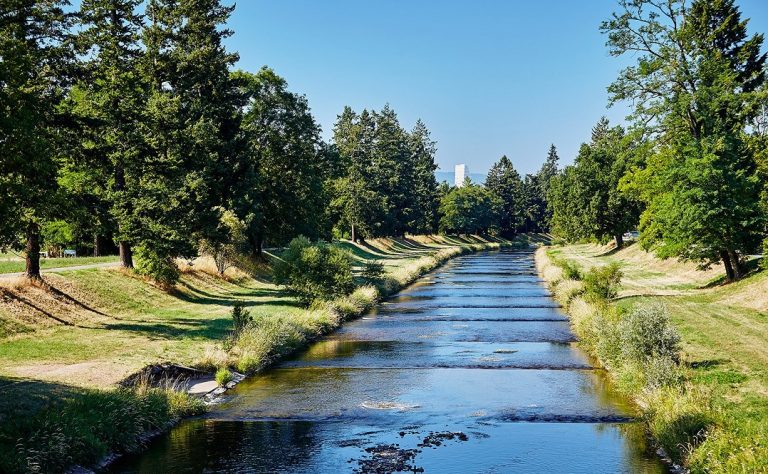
(314, 271)
(81, 428)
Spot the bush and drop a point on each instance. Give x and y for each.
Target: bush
(162, 269)
(373, 271)
(223, 376)
(647, 333)
(241, 318)
(314, 271)
(571, 270)
(602, 283)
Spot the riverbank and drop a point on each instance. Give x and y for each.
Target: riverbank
(74, 338)
(713, 419)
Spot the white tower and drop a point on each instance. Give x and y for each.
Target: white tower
(460, 172)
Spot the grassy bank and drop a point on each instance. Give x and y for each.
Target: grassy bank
(708, 412)
(68, 342)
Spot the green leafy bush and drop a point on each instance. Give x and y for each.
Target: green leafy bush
(647, 333)
(602, 283)
(314, 271)
(571, 270)
(241, 318)
(160, 268)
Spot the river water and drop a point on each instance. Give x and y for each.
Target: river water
(472, 369)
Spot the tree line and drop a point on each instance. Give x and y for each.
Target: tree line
(126, 128)
(690, 170)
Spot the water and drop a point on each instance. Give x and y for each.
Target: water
(478, 348)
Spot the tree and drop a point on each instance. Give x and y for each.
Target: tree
(695, 88)
(282, 193)
(110, 99)
(424, 190)
(36, 64)
(535, 194)
(192, 131)
(504, 183)
(585, 200)
(468, 209)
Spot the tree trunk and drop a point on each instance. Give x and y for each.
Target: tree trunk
(126, 254)
(738, 268)
(33, 252)
(729, 273)
(354, 237)
(259, 245)
(619, 238)
(96, 246)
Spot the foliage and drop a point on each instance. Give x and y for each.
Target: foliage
(373, 271)
(647, 334)
(223, 376)
(241, 318)
(314, 271)
(160, 268)
(602, 283)
(468, 209)
(229, 248)
(585, 199)
(57, 234)
(281, 191)
(695, 88)
(86, 425)
(504, 183)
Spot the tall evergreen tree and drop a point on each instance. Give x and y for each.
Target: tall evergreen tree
(192, 130)
(425, 192)
(34, 71)
(504, 182)
(111, 98)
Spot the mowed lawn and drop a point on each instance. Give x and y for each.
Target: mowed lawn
(94, 327)
(15, 264)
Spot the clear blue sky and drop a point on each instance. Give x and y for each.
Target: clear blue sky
(487, 77)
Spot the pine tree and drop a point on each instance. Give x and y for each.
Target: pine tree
(111, 100)
(423, 149)
(36, 65)
(504, 183)
(191, 127)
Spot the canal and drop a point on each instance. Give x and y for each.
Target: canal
(472, 369)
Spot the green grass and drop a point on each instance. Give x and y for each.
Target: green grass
(63, 350)
(48, 427)
(724, 330)
(18, 265)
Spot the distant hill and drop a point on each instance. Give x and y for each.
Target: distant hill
(447, 176)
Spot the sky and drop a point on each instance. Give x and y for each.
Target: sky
(488, 77)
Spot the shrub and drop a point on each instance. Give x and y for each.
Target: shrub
(241, 317)
(162, 269)
(571, 270)
(373, 271)
(602, 283)
(647, 333)
(223, 376)
(314, 271)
